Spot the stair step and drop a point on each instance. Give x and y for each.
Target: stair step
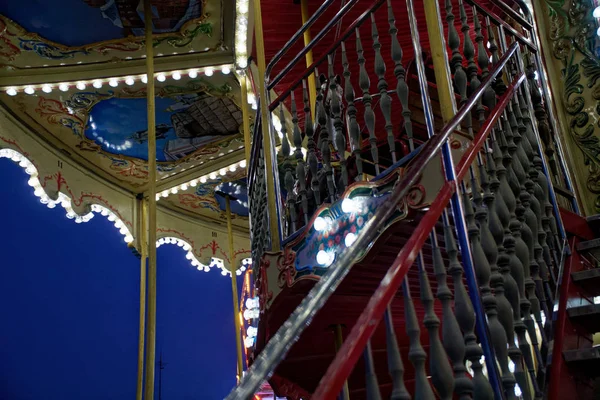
(587, 316)
(591, 247)
(594, 223)
(586, 361)
(588, 280)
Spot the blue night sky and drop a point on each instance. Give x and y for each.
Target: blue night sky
(69, 310)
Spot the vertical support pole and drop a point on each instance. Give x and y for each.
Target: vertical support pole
(312, 84)
(234, 290)
(266, 131)
(439, 55)
(339, 340)
(245, 119)
(142, 329)
(151, 327)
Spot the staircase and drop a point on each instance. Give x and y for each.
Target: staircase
(420, 258)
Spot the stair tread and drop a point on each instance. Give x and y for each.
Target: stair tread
(588, 280)
(591, 247)
(583, 362)
(592, 353)
(594, 223)
(586, 316)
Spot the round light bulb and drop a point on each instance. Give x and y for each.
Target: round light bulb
(243, 164)
(226, 70)
(113, 82)
(129, 81)
(349, 205)
(223, 171)
(46, 88)
(242, 62)
(29, 90)
(320, 224)
(193, 74)
(208, 72)
(97, 84)
(81, 85)
(232, 168)
(11, 91)
(203, 179)
(596, 12)
(212, 175)
(350, 239)
(145, 78)
(161, 77)
(176, 75)
(323, 258)
(63, 87)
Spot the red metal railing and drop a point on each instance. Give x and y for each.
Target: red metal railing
(339, 370)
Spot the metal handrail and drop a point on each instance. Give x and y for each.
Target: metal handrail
(349, 31)
(289, 332)
(338, 16)
(288, 45)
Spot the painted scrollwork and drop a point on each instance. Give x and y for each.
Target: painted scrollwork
(573, 37)
(265, 295)
(287, 268)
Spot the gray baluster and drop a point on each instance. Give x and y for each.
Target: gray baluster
(499, 85)
(289, 176)
(385, 103)
(400, 73)
(451, 334)
(325, 143)
(395, 365)
(439, 369)
(311, 155)
(353, 129)
(340, 137)
(372, 387)
(468, 48)
(369, 115)
(416, 354)
(300, 167)
(465, 316)
(323, 136)
(460, 76)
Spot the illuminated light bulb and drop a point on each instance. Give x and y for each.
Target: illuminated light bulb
(29, 90)
(223, 171)
(596, 12)
(51, 205)
(176, 75)
(243, 164)
(47, 88)
(349, 205)
(104, 212)
(97, 84)
(38, 192)
(113, 82)
(129, 80)
(324, 258)
(111, 217)
(80, 85)
(238, 272)
(242, 62)
(208, 71)
(223, 272)
(123, 231)
(189, 256)
(63, 87)
(174, 190)
(213, 175)
(11, 91)
(249, 342)
(203, 179)
(128, 239)
(321, 224)
(252, 331)
(242, 7)
(187, 247)
(145, 78)
(350, 239)
(32, 182)
(194, 183)
(118, 223)
(164, 193)
(71, 215)
(184, 186)
(161, 77)
(232, 168)
(193, 73)
(226, 70)
(518, 391)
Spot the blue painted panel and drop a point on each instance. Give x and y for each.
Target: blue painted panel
(80, 22)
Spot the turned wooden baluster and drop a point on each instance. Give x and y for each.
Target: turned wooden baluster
(353, 128)
(439, 368)
(325, 143)
(369, 115)
(372, 386)
(465, 315)
(460, 76)
(395, 364)
(322, 121)
(339, 136)
(300, 166)
(503, 238)
(311, 155)
(499, 85)
(400, 73)
(385, 102)
(289, 176)
(451, 334)
(416, 353)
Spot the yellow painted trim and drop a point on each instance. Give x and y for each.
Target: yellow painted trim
(245, 119)
(312, 85)
(439, 55)
(264, 112)
(142, 328)
(234, 290)
(151, 327)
